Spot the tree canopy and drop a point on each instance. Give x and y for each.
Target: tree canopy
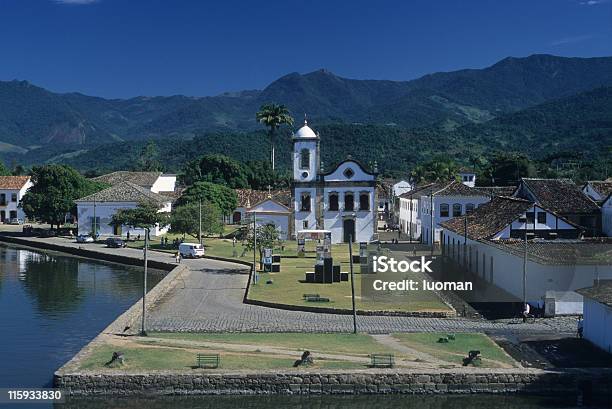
(215, 168)
(221, 196)
(144, 216)
(3, 170)
(186, 220)
(272, 116)
(54, 190)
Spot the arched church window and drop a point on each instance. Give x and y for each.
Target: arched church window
(304, 159)
(456, 209)
(444, 210)
(349, 201)
(305, 202)
(333, 202)
(364, 201)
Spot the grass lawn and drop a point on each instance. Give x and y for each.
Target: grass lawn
(455, 350)
(288, 288)
(161, 358)
(361, 344)
(254, 351)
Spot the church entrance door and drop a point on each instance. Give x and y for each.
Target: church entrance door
(349, 229)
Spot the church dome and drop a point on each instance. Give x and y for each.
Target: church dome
(305, 132)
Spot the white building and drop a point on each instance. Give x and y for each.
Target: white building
(445, 201)
(341, 201)
(467, 177)
(95, 211)
(606, 216)
(409, 215)
(269, 211)
(12, 190)
(490, 243)
(598, 190)
(402, 187)
(598, 314)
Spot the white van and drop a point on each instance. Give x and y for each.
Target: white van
(191, 250)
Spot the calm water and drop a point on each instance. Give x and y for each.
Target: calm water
(51, 305)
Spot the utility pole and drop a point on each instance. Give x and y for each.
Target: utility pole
(200, 222)
(465, 240)
(352, 284)
(525, 262)
(254, 248)
(143, 331)
(94, 235)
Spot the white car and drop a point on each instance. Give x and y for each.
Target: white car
(191, 250)
(83, 238)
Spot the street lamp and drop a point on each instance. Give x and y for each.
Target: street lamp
(143, 331)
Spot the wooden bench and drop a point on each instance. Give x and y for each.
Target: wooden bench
(317, 299)
(207, 361)
(382, 360)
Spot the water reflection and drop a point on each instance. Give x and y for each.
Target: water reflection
(52, 305)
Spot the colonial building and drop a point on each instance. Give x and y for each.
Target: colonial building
(270, 211)
(439, 202)
(564, 198)
(341, 201)
(490, 243)
(95, 211)
(12, 190)
(606, 216)
(249, 197)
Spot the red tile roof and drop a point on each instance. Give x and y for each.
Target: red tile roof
(13, 182)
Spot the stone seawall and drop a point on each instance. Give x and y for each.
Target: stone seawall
(198, 382)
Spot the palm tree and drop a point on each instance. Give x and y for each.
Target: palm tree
(272, 116)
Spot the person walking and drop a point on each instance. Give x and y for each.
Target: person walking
(526, 310)
(178, 257)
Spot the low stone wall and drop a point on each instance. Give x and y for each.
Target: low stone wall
(199, 382)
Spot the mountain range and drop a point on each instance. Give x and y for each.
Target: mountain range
(537, 104)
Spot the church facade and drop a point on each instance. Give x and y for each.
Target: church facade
(342, 201)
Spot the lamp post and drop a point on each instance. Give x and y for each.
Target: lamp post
(352, 284)
(143, 331)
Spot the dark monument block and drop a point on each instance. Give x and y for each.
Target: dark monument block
(336, 274)
(276, 268)
(310, 277)
(344, 276)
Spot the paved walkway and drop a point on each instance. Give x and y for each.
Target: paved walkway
(209, 299)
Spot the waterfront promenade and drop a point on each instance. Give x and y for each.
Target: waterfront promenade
(208, 297)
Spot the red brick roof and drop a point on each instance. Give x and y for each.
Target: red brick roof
(13, 182)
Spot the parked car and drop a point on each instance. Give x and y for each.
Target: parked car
(14, 220)
(191, 250)
(84, 238)
(115, 243)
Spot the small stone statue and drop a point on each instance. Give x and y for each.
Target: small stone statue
(305, 360)
(116, 360)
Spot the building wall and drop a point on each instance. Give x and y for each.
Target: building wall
(507, 269)
(408, 216)
(364, 219)
(598, 324)
(12, 207)
(270, 212)
(298, 145)
(164, 183)
(592, 193)
(304, 216)
(606, 215)
(425, 211)
(104, 212)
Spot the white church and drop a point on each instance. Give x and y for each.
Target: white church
(341, 201)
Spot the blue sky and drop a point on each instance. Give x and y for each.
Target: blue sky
(124, 48)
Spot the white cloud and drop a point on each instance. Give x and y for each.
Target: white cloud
(79, 2)
(593, 2)
(572, 40)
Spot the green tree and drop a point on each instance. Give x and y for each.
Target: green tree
(54, 190)
(221, 196)
(185, 220)
(143, 216)
(218, 169)
(268, 237)
(148, 161)
(272, 116)
(3, 170)
(506, 168)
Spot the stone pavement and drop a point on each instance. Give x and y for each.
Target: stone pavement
(209, 299)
